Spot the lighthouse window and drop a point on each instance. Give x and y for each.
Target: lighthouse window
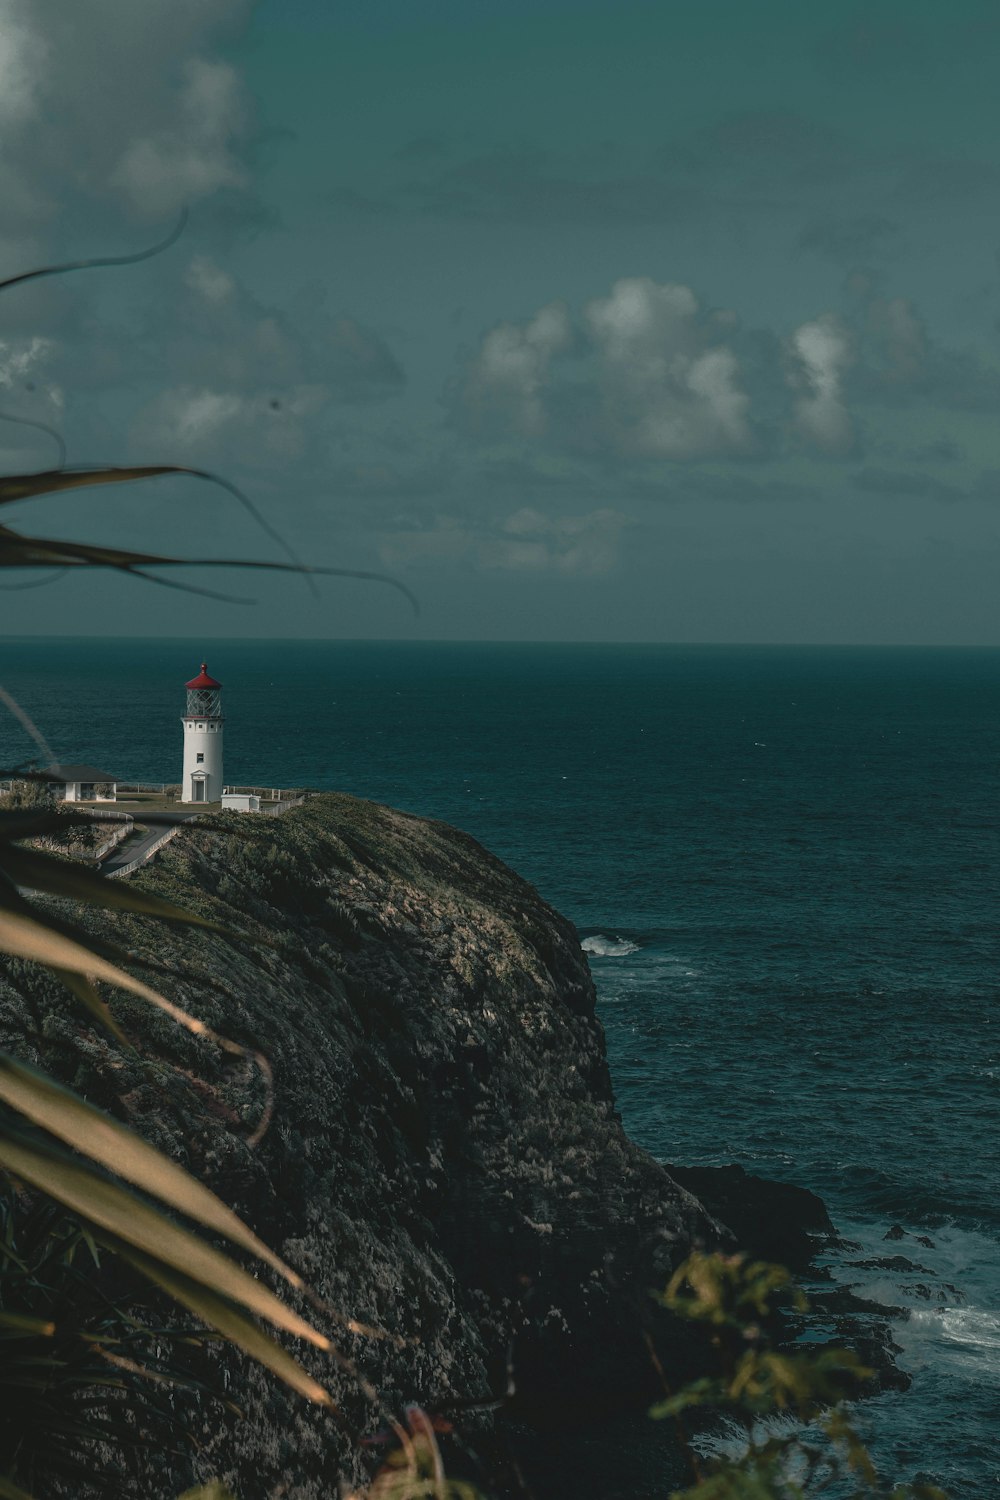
(200, 755)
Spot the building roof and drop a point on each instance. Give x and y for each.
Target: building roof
(203, 680)
(80, 773)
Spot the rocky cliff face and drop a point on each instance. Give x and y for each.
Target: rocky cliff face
(445, 1160)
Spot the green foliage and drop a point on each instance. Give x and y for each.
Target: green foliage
(755, 1383)
(24, 795)
(415, 1469)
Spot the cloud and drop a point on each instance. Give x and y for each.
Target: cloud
(506, 381)
(244, 383)
(22, 360)
(209, 280)
(22, 60)
(654, 377)
(670, 390)
(897, 362)
(359, 364)
(822, 353)
(199, 423)
(121, 102)
(526, 541)
(898, 333)
(28, 394)
(192, 156)
(646, 378)
(217, 332)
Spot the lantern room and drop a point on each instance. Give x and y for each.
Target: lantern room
(204, 696)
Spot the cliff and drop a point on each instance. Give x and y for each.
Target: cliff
(445, 1160)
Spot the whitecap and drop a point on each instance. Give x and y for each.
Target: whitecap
(609, 947)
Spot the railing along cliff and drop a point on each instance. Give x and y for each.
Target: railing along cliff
(126, 824)
(274, 808)
(146, 855)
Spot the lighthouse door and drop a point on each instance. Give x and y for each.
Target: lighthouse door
(198, 791)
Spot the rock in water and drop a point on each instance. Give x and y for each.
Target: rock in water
(771, 1220)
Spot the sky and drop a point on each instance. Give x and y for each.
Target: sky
(584, 321)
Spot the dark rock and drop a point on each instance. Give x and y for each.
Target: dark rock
(874, 1345)
(889, 1263)
(770, 1220)
(895, 1232)
(445, 1159)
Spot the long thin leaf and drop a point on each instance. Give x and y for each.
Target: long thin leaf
(22, 1323)
(10, 1491)
(84, 990)
(104, 260)
(96, 1135)
(126, 1216)
(24, 936)
(31, 825)
(17, 551)
(15, 487)
(57, 437)
(228, 1320)
(51, 481)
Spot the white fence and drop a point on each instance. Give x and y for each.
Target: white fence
(147, 854)
(274, 808)
(272, 793)
(120, 834)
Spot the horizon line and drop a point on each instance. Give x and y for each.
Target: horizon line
(208, 641)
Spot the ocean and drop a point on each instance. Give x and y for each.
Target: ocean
(782, 864)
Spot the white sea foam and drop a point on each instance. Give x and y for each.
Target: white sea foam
(609, 947)
(975, 1330)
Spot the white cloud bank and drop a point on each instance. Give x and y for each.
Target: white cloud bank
(119, 99)
(648, 374)
(656, 377)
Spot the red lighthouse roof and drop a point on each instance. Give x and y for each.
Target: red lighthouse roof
(203, 680)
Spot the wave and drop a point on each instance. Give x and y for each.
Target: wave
(609, 947)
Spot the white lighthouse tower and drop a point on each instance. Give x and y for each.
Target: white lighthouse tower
(202, 779)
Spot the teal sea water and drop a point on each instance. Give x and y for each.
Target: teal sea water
(783, 866)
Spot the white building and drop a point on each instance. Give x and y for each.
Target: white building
(84, 784)
(240, 802)
(202, 777)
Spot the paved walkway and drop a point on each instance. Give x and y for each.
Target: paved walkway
(132, 849)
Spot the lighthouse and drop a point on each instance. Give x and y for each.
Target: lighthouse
(202, 779)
